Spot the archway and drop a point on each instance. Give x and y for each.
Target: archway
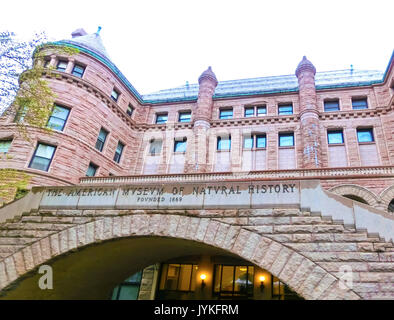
(110, 251)
(356, 193)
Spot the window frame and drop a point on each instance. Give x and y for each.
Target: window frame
(76, 73)
(150, 147)
(284, 105)
(335, 131)
(356, 99)
(282, 134)
(103, 142)
(219, 140)
(232, 293)
(130, 107)
(254, 137)
(160, 115)
(114, 90)
(370, 130)
(221, 117)
(180, 141)
(194, 268)
(35, 152)
(59, 62)
(331, 101)
(180, 113)
(93, 165)
(52, 116)
(121, 152)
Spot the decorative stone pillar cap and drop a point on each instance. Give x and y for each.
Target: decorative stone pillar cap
(305, 65)
(79, 33)
(209, 75)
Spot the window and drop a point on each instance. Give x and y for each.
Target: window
(101, 139)
(178, 277)
(42, 157)
(129, 289)
(286, 139)
(20, 114)
(258, 140)
(255, 111)
(5, 146)
(46, 63)
(331, 105)
(130, 110)
(118, 152)
(78, 70)
(115, 95)
(365, 135)
(233, 281)
(58, 118)
(91, 170)
(281, 291)
(161, 118)
(155, 146)
(284, 109)
(249, 112)
(62, 65)
(224, 143)
(185, 116)
(335, 136)
(180, 145)
(359, 104)
(226, 114)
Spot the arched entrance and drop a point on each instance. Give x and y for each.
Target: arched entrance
(89, 266)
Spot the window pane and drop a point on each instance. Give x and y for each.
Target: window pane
(45, 151)
(248, 142)
(249, 112)
(260, 141)
(62, 65)
(286, 109)
(331, 105)
(130, 110)
(224, 143)
(40, 163)
(359, 104)
(241, 279)
(193, 281)
(161, 118)
(103, 135)
(5, 145)
(335, 137)
(226, 114)
(365, 135)
(180, 146)
(184, 277)
(60, 112)
(114, 95)
(118, 152)
(91, 170)
(227, 278)
(185, 116)
(172, 277)
(286, 140)
(218, 276)
(261, 111)
(78, 71)
(128, 292)
(56, 123)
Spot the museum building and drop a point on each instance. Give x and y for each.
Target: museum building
(299, 166)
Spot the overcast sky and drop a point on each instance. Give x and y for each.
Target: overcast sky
(163, 44)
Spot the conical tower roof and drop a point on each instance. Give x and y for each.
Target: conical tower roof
(208, 74)
(305, 64)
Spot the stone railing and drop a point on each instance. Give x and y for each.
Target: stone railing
(324, 173)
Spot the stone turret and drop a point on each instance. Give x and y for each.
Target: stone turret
(309, 115)
(202, 115)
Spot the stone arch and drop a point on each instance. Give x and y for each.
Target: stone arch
(386, 197)
(300, 273)
(358, 192)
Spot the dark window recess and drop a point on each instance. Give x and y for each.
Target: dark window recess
(161, 118)
(42, 157)
(78, 70)
(224, 143)
(284, 109)
(180, 145)
(61, 65)
(130, 110)
(101, 139)
(58, 118)
(91, 170)
(359, 104)
(332, 105)
(226, 114)
(185, 116)
(118, 152)
(335, 137)
(178, 277)
(365, 135)
(286, 139)
(115, 95)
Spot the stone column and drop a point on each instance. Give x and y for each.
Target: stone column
(70, 65)
(202, 115)
(309, 115)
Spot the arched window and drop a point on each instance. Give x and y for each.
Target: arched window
(355, 198)
(391, 206)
